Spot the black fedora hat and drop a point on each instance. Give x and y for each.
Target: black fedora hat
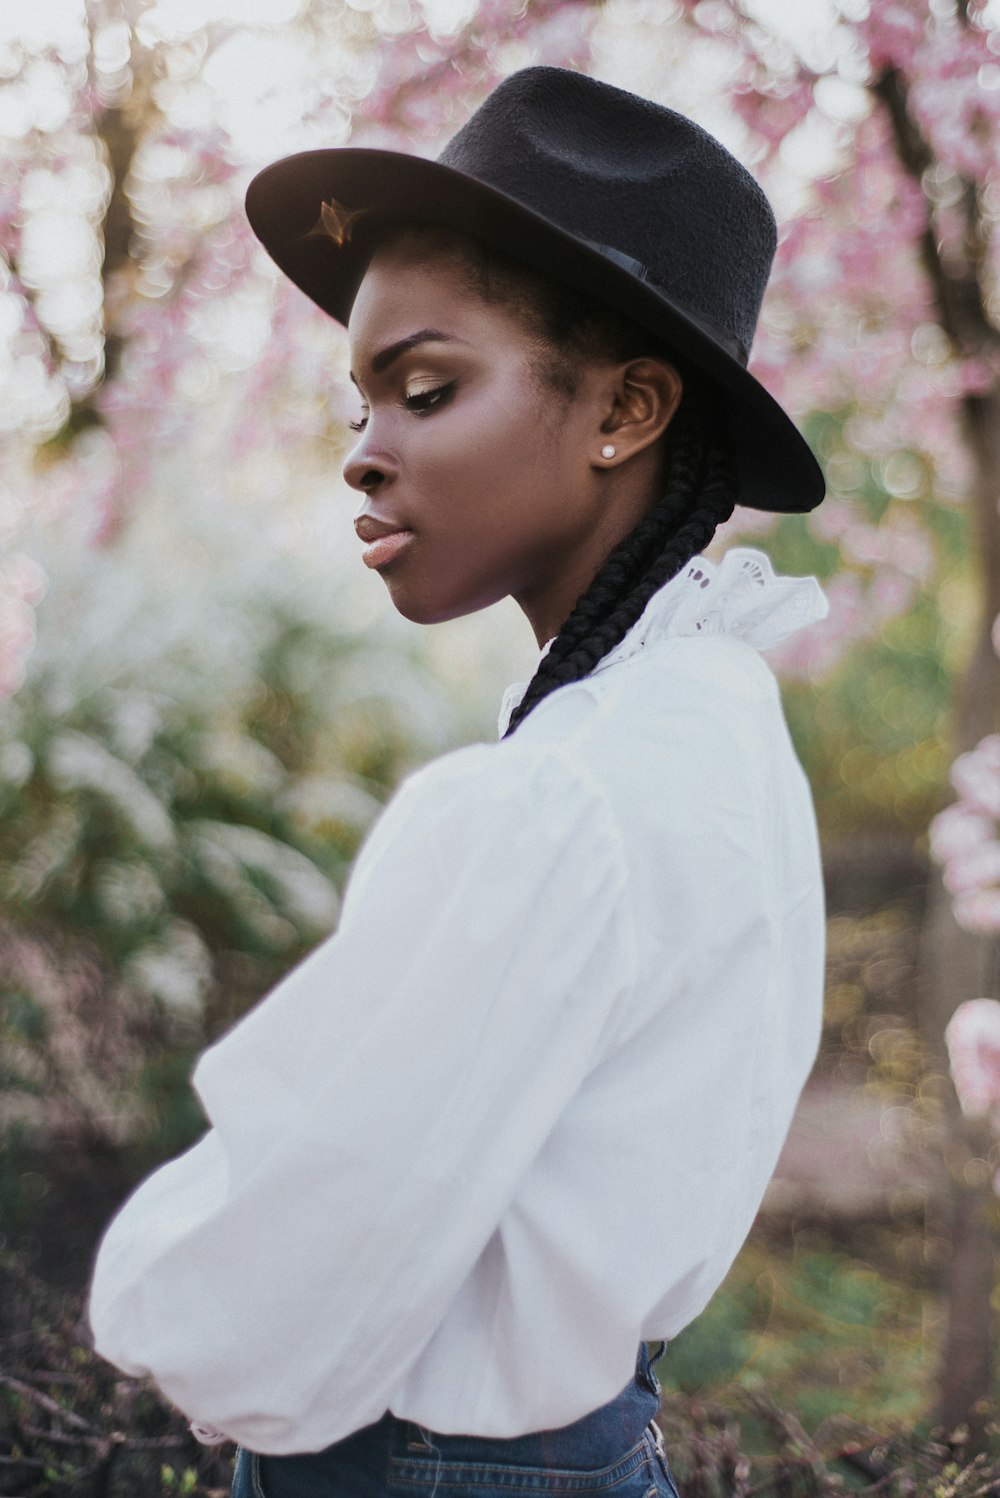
(610, 193)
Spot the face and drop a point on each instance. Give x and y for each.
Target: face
(465, 447)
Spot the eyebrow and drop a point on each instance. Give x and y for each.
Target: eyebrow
(388, 355)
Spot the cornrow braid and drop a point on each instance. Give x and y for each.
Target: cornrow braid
(700, 493)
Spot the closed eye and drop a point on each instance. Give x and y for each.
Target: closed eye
(421, 401)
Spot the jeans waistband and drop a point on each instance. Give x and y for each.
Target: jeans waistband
(610, 1435)
(597, 1439)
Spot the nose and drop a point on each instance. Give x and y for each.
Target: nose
(368, 470)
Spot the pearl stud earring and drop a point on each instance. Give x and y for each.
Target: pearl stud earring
(607, 451)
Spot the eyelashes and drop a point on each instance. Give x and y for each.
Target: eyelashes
(422, 401)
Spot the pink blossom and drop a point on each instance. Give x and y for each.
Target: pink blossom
(25, 578)
(976, 869)
(893, 33)
(17, 636)
(957, 830)
(834, 519)
(890, 594)
(978, 376)
(978, 911)
(973, 1040)
(957, 115)
(976, 776)
(773, 113)
(964, 837)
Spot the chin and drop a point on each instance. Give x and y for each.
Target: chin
(437, 610)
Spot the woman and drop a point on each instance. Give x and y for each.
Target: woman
(518, 1114)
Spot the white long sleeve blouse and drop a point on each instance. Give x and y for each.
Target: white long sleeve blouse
(519, 1112)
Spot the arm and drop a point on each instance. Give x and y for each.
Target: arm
(372, 1117)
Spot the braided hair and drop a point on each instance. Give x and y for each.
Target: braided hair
(700, 494)
(700, 490)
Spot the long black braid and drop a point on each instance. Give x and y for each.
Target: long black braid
(700, 494)
(701, 488)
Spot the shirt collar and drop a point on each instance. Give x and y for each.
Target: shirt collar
(741, 595)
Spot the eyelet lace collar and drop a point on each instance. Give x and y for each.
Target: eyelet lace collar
(741, 596)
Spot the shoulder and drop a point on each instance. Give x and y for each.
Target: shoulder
(682, 689)
(688, 743)
(515, 804)
(720, 664)
(520, 771)
(681, 704)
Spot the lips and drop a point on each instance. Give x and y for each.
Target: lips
(385, 538)
(370, 528)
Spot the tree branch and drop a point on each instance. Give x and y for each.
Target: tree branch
(958, 291)
(120, 139)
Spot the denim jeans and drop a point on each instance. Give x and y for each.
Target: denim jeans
(614, 1452)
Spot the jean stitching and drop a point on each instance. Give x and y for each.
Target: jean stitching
(523, 1478)
(255, 1475)
(665, 1468)
(650, 1464)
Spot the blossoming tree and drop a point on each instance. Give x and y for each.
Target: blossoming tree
(886, 301)
(887, 295)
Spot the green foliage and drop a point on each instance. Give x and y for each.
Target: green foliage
(872, 731)
(21, 1018)
(71, 1426)
(170, 1106)
(821, 1330)
(753, 1448)
(874, 740)
(168, 849)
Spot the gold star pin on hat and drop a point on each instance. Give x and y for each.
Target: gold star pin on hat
(335, 222)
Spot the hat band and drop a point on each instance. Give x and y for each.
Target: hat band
(732, 346)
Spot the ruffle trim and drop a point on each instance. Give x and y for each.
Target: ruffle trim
(741, 596)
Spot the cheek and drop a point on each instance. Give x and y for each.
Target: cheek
(492, 490)
(498, 458)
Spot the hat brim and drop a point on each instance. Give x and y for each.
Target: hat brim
(777, 469)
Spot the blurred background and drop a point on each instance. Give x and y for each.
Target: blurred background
(205, 697)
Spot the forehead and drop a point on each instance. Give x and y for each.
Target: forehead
(405, 289)
(395, 282)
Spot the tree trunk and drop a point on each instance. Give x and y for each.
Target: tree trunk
(955, 966)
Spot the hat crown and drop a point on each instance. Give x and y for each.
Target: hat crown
(628, 174)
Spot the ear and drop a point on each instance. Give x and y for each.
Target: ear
(641, 399)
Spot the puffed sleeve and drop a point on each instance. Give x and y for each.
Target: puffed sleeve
(372, 1116)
